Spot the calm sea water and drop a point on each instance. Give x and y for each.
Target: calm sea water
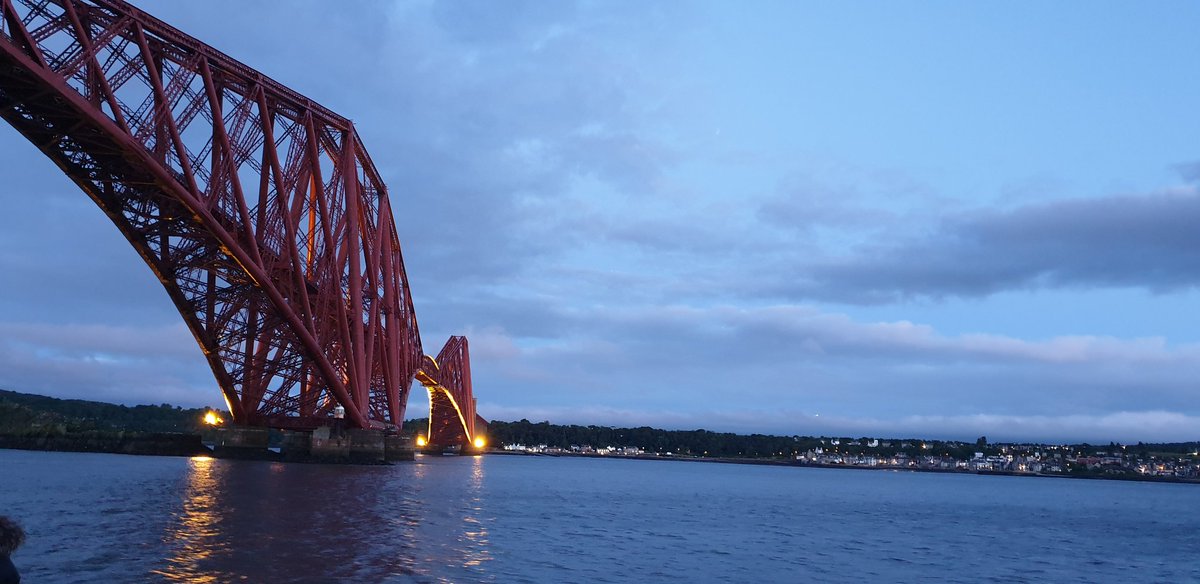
(113, 518)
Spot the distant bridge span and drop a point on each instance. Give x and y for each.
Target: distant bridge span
(259, 210)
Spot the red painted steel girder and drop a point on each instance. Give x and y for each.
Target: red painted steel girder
(452, 417)
(259, 210)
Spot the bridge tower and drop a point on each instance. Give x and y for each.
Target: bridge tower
(259, 210)
(452, 417)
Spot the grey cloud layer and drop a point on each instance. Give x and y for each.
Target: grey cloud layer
(1141, 241)
(116, 363)
(809, 360)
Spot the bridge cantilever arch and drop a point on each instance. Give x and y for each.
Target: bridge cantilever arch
(259, 210)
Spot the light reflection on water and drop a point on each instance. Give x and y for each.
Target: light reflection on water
(99, 517)
(476, 534)
(195, 536)
(323, 522)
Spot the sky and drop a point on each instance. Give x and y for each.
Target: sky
(933, 219)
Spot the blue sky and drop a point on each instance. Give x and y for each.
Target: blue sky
(920, 219)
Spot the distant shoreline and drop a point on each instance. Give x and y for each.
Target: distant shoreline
(786, 463)
(187, 445)
(134, 443)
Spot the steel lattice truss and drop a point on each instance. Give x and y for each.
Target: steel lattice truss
(452, 417)
(259, 210)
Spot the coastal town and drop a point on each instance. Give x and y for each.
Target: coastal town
(1113, 461)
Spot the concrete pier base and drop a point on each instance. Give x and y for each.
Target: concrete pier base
(366, 446)
(296, 446)
(330, 445)
(327, 444)
(398, 448)
(241, 442)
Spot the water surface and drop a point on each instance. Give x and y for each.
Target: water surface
(114, 518)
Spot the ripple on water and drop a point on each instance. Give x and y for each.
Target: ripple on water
(511, 519)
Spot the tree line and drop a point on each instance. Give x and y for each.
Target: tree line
(729, 445)
(23, 413)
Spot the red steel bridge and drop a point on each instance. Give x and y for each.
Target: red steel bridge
(259, 210)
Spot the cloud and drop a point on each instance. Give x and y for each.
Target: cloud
(61, 259)
(1189, 171)
(123, 364)
(117, 342)
(805, 202)
(487, 23)
(1126, 241)
(694, 361)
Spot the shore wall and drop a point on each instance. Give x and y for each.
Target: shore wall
(159, 444)
(324, 445)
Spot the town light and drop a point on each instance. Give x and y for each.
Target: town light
(421, 441)
(479, 442)
(212, 419)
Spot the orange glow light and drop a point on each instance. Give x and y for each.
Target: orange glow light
(479, 442)
(212, 419)
(421, 441)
